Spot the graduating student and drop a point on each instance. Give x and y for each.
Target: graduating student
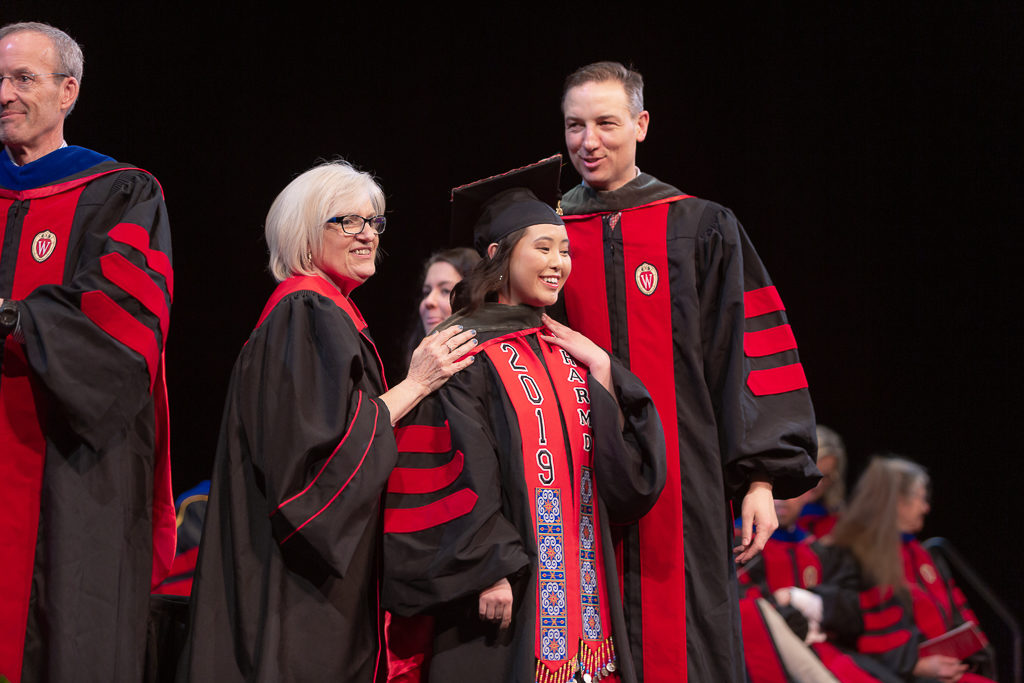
(509, 477)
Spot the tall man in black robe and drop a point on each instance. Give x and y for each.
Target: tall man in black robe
(691, 311)
(85, 292)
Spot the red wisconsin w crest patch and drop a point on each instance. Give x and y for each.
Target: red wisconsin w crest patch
(43, 245)
(646, 278)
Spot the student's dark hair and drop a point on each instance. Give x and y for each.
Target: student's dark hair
(488, 278)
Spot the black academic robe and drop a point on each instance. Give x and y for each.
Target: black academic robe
(459, 514)
(286, 586)
(86, 513)
(671, 285)
(870, 628)
(874, 629)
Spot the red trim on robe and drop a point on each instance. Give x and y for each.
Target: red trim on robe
(423, 439)
(874, 597)
(369, 444)
(426, 480)
(408, 520)
(761, 301)
(179, 581)
(498, 340)
(770, 341)
(649, 321)
(165, 527)
(137, 283)
(759, 652)
(355, 416)
(21, 475)
(777, 380)
(124, 327)
(841, 664)
(882, 643)
(136, 237)
(657, 202)
(50, 190)
(314, 283)
(883, 619)
(584, 292)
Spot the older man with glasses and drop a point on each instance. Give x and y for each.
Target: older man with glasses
(85, 294)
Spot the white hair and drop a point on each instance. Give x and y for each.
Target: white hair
(295, 222)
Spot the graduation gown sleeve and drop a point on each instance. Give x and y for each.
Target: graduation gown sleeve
(96, 340)
(445, 534)
(319, 440)
(755, 380)
(871, 623)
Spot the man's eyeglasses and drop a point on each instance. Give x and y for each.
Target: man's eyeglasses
(26, 81)
(353, 223)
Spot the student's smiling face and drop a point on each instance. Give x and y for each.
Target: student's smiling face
(538, 267)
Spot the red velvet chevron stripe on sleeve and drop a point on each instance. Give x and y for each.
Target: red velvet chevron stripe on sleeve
(408, 520)
(122, 326)
(767, 342)
(426, 479)
(761, 301)
(423, 439)
(777, 380)
(414, 441)
(136, 282)
(135, 236)
(885, 625)
(873, 597)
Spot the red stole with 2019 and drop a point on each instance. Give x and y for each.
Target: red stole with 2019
(573, 622)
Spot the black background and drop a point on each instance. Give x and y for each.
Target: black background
(873, 154)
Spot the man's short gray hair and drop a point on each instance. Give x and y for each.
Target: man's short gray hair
(599, 72)
(70, 60)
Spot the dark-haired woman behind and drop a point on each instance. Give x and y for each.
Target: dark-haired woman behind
(441, 272)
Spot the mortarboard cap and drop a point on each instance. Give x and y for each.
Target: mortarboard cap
(487, 210)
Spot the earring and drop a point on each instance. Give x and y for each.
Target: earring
(500, 278)
(309, 259)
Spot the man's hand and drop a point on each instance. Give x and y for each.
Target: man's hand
(758, 511)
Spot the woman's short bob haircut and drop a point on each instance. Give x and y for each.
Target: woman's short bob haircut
(295, 222)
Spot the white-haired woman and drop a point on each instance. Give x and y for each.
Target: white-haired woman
(287, 580)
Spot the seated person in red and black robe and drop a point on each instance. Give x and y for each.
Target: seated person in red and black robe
(772, 632)
(870, 606)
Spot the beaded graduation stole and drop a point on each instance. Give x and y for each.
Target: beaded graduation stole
(573, 622)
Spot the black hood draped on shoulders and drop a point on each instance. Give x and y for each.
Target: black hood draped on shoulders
(643, 189)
